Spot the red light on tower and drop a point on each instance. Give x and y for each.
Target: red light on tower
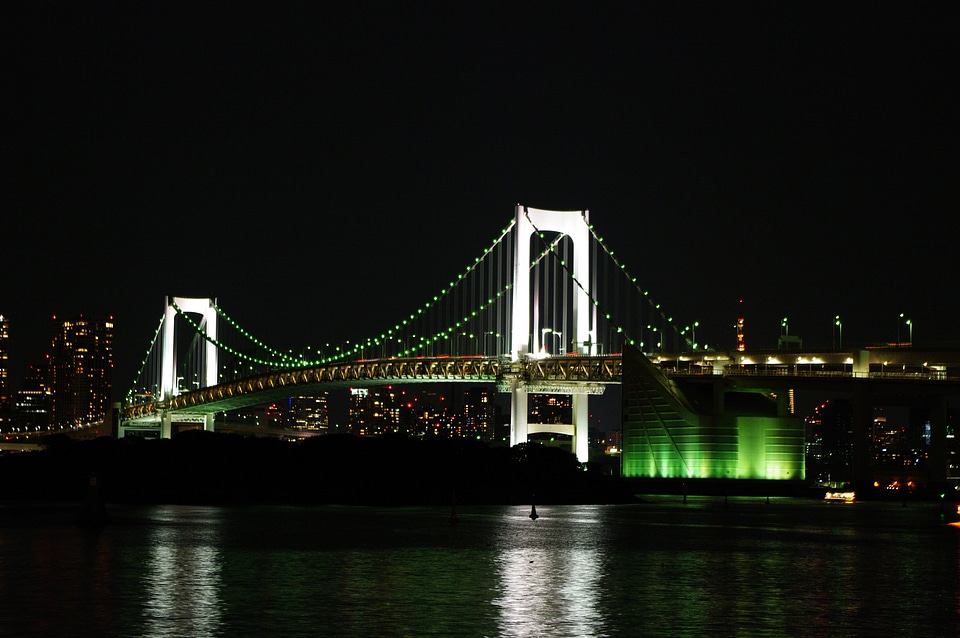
(741, 346)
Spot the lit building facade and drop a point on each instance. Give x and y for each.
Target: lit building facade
(81, 371)
(6, 405)
(33, 399)
(664, 435)
(4, 358)
(479, 415)
(376, 411)
(310, 413)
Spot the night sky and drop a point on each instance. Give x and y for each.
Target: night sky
(322, 169)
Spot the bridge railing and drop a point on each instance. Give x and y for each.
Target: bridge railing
(794, 371)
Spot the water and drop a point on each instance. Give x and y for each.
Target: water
(741, 567)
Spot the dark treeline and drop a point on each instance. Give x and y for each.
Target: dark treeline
(212, 468)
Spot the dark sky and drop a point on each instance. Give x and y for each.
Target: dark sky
(324, 168)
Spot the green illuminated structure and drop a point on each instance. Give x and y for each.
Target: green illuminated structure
(703, 431)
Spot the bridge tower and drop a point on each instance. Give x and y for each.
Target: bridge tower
(573, 224)
(168, 367)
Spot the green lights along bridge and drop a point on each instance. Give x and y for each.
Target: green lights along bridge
(545, 308)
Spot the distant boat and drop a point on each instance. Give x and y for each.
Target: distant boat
(533, 513)
(843, 497)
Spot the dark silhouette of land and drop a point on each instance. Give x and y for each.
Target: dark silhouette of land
(214, 468)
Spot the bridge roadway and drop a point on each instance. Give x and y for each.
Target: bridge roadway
(586, 374)
(816, 370)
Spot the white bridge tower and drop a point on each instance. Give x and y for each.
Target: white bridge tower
(169, 386)
(573, 224)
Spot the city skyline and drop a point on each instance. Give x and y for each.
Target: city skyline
(322, 172)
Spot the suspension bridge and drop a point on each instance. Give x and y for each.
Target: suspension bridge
(546, 308)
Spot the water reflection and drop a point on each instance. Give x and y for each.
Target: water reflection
(654, 568)
(182, 580)
(550, 573)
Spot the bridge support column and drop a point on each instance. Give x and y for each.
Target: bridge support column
(520, 427)
(518, 414)
(208, 422)
(166, 426)
(581, 427)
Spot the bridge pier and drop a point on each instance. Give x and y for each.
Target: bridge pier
(520, 428)
(518, 414)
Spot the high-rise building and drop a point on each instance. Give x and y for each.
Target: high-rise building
(550, 408)
(33, 399)
(310, 412)
(4, 358)
(830, 442)
(81, 371)
(479, 415)
(6, 405)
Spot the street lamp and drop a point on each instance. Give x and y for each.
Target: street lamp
(839, 325)
(496, 342)
(909, 325)
(694, 334)
(786, 327)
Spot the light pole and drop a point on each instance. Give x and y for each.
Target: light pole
(839, 325)
(496, 342)
(547, 331)
(694, 334)
(786, 327)
(543, 338)
(909, 323)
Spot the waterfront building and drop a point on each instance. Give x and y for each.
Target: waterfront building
(4, 358)
(478, 418)
(33, 399)
(6, 405)
(431, 414)
(81, 371)
(311, 413)
(829, 447)
(550, 408)
(668, 433)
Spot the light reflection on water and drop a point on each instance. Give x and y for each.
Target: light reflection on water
(656, 568)
(181, 576)
(549, 572)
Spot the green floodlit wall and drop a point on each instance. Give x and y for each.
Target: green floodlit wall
(665, 437)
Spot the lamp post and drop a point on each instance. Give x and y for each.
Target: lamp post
(839, 325)
(496, 343)
(909, 324)
(694, 334)
(557, 334)
(786, 327)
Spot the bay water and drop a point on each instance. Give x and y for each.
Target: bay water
(658, 567)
